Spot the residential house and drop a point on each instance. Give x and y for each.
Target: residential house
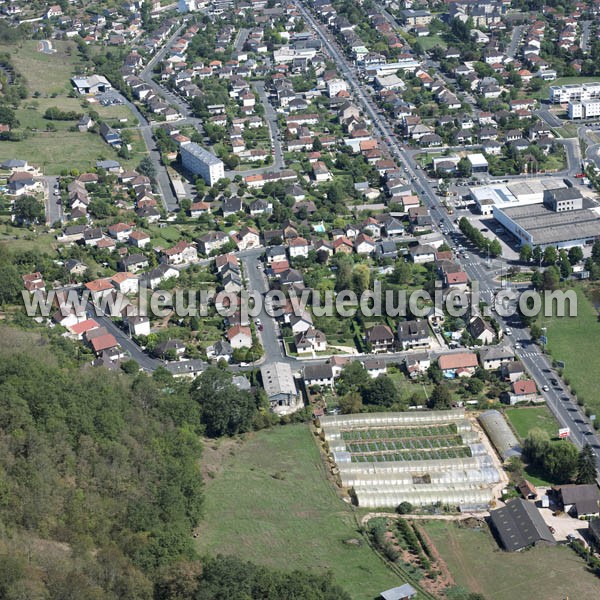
(212, 241)
(380, 338)
(523, 390)
(413, 334)
(494, 357)
(182, 253)
(318, 375)
(579, 500)
(461, 364)
(134, 263)
(311, 340)
(239, 336)
(481, 330)
(375, 367)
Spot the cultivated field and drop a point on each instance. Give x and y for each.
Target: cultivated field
(268, 500)
(476, 563)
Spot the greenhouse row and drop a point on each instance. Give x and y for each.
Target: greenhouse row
(419, 457)
(500, 434)
(474, 498)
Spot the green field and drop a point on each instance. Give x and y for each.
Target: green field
(574, 341)
(526, 418)
(269, 501)
(45, 73)
(477, 564)
(49, 76)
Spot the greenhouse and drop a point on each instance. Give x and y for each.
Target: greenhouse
(500, 434)
(419, 457)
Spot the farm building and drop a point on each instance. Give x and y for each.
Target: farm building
(421, 457)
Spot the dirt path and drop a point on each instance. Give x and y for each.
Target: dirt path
(460, 517)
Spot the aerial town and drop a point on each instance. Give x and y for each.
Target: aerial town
(184, 186)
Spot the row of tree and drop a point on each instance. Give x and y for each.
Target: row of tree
(478, 239)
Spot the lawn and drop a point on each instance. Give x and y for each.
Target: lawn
(431, 41)
(574, 341)
(524, 419)
(269, 501)
(476, 563)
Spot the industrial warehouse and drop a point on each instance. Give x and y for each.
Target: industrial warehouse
(421, 457)
(564, 219)
(508, 195)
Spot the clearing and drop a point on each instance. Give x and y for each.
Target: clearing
(476, 562)
(269, 501)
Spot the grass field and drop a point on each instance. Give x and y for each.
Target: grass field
(477, 563)
(49, 75)
(269, 501)
(574, 341)
(45, 73)
(526, 418)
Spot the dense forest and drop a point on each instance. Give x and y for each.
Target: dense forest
(101, 489)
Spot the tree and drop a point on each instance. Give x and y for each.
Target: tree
(404, 508)
(225, 410)
(28, 210)
(537, 254)
(464, 167)
(564, 265)
(361, 278)
(550, 255)
(146, 167)
(130, 366)
(495, 248)
(560, 462)
(353, 378)
(575, 255)
(441, 397)
(380, 391)
(596, 251)
(586, 466)
(10, 283)
(536, 331)
(551, 278)
(350, 403)
(402, 273)
(525, 253)
(535, 445)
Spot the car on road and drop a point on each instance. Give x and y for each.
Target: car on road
(553, 381)
(508, 331)
(517, 346)
(545, 388)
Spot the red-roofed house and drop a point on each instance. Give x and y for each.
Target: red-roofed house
(33, 282)
(239, 336)
(523, 390)
(99, 287)
(461, 364)
(104, 342)
(79, 329)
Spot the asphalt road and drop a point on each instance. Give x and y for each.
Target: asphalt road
(515, 39)
(271, 119)
(584, 42)
(144, 361)
(54, 210)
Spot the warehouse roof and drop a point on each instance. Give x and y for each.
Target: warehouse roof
(519, 524)
(546, 226)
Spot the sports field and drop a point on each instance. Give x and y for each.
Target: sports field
(477, 563)
(268, 500)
